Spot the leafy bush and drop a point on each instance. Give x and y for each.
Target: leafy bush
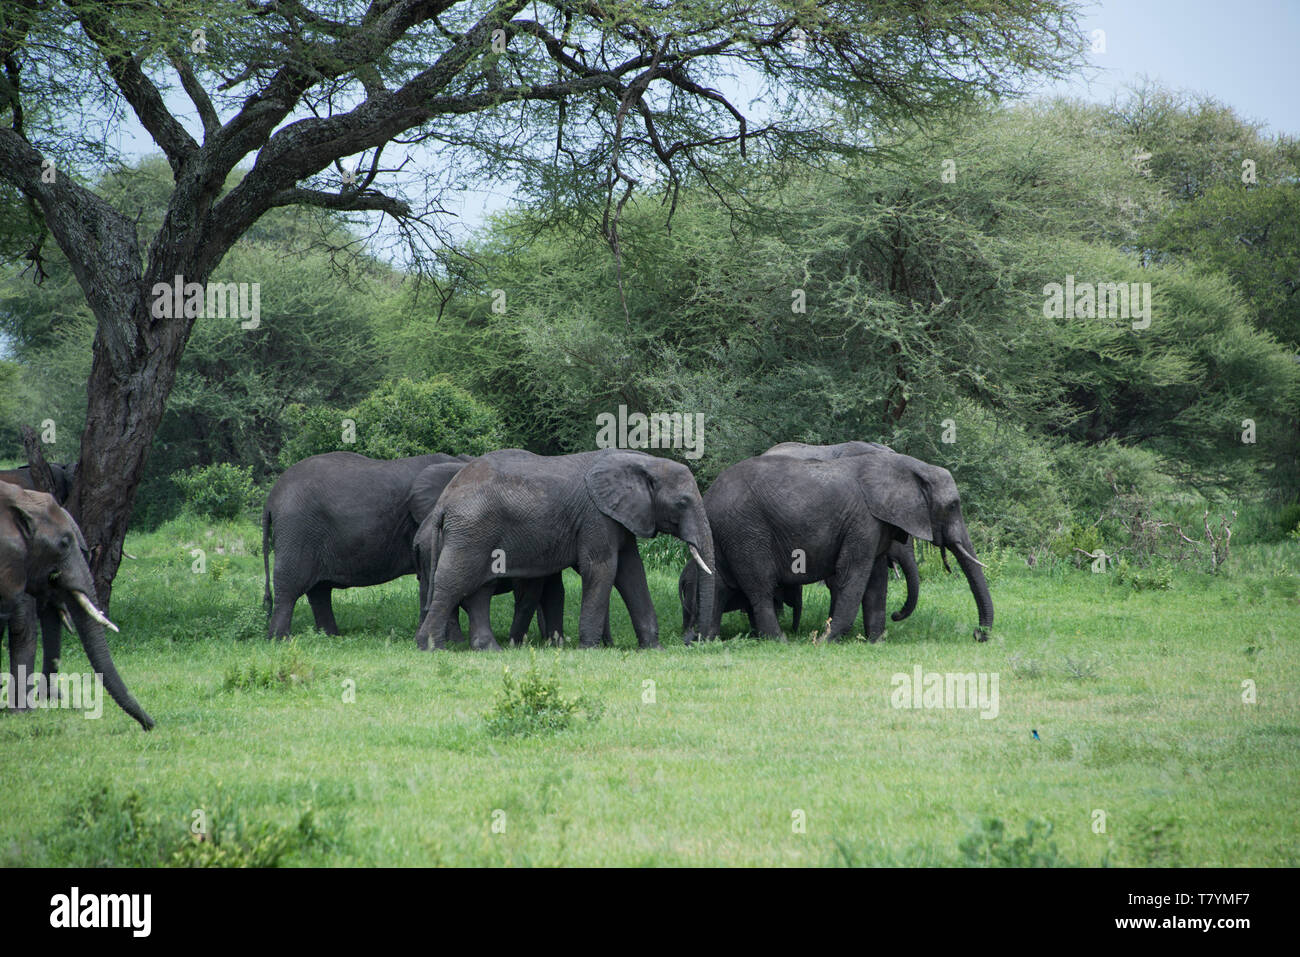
(398, 419)
(101, 829)
(222, 492)
(233, 840)
(533, 705)
(1089, 474)
(287, 669)
(989, 846)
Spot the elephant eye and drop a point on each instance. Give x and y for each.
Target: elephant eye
(65, 542)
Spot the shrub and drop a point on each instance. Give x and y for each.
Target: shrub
(222, 492)
(287, 668)
(989, 846)
(398, 419)
(533, 705)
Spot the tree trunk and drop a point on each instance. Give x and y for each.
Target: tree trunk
(123, 411)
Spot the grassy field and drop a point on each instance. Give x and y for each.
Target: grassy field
(360, 750)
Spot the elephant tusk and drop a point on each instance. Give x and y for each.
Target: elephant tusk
(89, 607)
(696, 555)
(66, 619)
(957, 548)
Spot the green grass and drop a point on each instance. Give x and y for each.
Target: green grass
(359, 749)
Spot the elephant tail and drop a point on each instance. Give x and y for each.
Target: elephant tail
(266, 556)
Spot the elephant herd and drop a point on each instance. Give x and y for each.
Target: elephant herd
(471, 528)
(514, 521)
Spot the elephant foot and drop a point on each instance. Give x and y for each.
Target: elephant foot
(651, 646)
(556, 640)
(489, 645)
(875, 639)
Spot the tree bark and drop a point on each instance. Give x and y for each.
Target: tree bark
(42, 477)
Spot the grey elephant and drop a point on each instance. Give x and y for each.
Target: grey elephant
(545, 597)
(901, 555)
(43, 611)
(43, 554)
(338, 520)
(63, 476)
(841, 515)
(513, 513)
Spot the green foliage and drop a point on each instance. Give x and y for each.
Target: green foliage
(1076, 538)
(989, 845)
(234, 839)
(398, 419)
(222, 491)
(533, 704)
(1153, 578)
(102, 829)
(287, 668)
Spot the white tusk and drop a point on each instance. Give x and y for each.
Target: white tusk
(89, 607)
(66, 619)
(957, 547)
(696, 555)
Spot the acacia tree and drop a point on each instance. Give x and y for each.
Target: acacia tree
(580, 101)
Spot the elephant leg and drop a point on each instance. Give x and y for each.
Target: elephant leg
(631, 583)
(454, 631)
(286, 596)
(479, 606)
(51, 647)
(854, 569)
(873, 600)
(22, 652)
(597, 582)
(794, 598)
(528, 598)
(322, 609)
(550, 617)
(759, 594)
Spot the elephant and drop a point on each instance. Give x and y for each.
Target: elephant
(842, 515)
(516, 514)
(43, 554)
(63, 476)
(45, 611)
(338, 520)
(901, 554)
(543, 596)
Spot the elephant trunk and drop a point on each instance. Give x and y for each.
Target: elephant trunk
(970, 566)
(687, 592)
(91, 633)
(698, 536)
(906, 559)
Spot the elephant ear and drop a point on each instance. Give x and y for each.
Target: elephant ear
(895, 493)
(24, 521)
(620, 487)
